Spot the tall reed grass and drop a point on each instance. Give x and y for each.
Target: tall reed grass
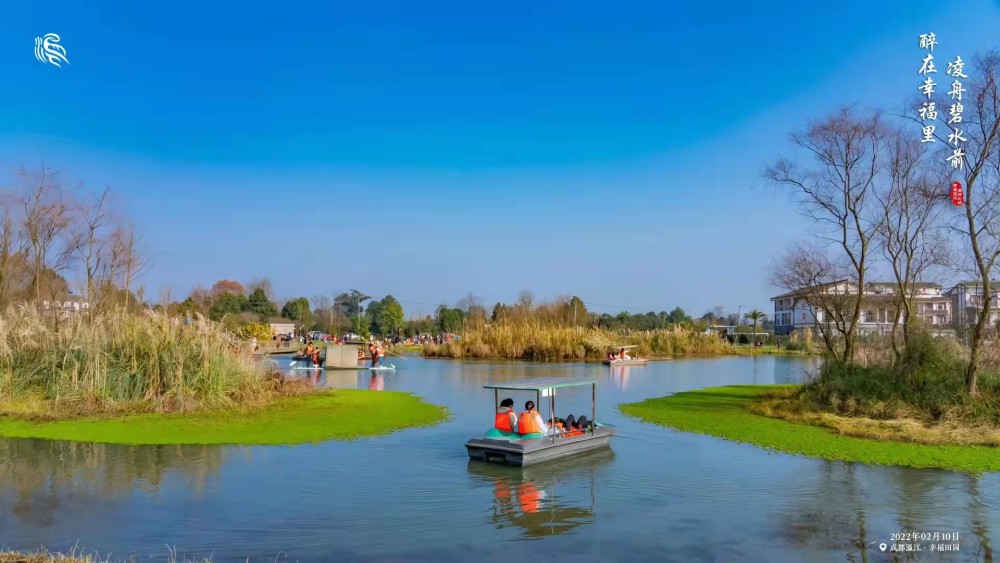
(534, 340)
(118, 360)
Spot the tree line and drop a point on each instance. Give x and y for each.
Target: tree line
(879, 195)
(355, 311)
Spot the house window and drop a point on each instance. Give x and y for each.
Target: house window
(868, 317)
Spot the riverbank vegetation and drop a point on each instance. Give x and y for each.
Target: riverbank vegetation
(102, 365)
(924, 399)
(727, 412)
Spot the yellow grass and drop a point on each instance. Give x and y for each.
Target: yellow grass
(533, 340)
(906, 427)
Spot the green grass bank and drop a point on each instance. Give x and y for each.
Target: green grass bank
(307, 418)
(726, 412)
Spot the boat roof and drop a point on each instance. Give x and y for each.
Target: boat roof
(542, 383)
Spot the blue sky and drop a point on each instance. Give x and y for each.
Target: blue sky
(432, 149)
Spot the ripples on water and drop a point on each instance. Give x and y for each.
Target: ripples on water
(655, 495)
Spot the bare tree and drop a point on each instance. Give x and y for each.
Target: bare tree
(824, 285)
(90, 243)
(11, 245)
(128, 259)
(836, 192)
(980, 170)
(46, 222)
(908, 230)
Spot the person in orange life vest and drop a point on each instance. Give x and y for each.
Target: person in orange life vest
(530, 421)
(506, 420)
(623, 353)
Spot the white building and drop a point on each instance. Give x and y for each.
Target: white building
(967, 299)
(793, 311)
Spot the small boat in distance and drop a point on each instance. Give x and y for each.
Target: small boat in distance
(621, 357)
(515, 449)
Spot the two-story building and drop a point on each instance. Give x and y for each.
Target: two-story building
(799, 310)
(967, 300)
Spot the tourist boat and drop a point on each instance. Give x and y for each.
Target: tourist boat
(514, 449)
(620, 362)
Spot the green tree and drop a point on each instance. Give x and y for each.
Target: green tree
(227, 304)
(299, 311)
(449, 320)
(754, 316)
(260, 305)
(373, 313)
(679, 316)
(578, 311)
(392, 315)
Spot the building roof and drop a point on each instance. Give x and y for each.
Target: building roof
(890, 284)
(280, 321)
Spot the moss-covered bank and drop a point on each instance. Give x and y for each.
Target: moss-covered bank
(725, 412)
(313, 417)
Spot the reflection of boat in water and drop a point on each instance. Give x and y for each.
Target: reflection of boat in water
(377, 383)
(622, 358)
(516, 449)
(619, 376)
(528, 497)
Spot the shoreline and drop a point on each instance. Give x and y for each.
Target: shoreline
(725, 412)
(313, 417)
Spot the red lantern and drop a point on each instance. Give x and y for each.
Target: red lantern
(956, 193)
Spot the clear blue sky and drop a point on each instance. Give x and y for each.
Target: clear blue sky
(611, 150)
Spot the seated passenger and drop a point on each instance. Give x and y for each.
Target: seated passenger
(571, 423)
(530, 421)
(506, 420)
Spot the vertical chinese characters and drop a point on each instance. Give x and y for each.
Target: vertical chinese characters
(928, 112)
(956, 70)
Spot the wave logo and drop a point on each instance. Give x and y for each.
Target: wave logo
(48, 50)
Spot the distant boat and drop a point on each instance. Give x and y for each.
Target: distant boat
(627, 360)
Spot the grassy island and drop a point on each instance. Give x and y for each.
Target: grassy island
(728, 412)
(141, 377)
(312, 417)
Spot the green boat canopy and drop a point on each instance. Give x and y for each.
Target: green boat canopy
(542, 383)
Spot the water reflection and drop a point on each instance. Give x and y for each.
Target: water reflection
(376, 383)
(619, 376)
(834, 511)
(44, 479)
(543, 500)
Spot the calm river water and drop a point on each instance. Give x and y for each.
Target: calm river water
(657, 495)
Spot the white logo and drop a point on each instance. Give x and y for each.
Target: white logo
(48, 50)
